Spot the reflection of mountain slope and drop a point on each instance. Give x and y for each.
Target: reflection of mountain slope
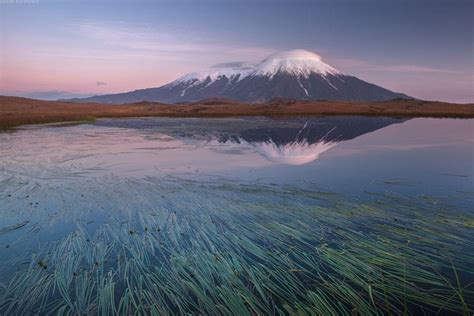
(312, 130)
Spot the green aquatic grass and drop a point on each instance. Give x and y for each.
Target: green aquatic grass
(170, 246)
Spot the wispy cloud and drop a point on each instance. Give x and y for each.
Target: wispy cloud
(158, 42)
(349, 63)
(100, 83)
(233, 64)
(136, 38)
(414, 68)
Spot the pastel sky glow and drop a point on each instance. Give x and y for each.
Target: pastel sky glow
(54, 49)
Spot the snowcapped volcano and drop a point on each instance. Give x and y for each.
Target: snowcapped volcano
(294, 74)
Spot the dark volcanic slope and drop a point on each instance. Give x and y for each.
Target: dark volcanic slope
(313, 87)
(299, 75)
(257, 89)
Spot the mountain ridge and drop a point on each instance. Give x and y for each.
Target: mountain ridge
(295, 74)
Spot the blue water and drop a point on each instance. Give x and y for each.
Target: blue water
(134, 176)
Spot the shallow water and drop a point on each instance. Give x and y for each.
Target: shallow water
(247, 215)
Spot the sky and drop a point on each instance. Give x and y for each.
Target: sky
(54, 49)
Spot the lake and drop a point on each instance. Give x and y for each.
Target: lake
(308, 215)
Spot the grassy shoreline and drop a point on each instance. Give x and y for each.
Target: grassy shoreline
(217, 247)
(15, 111)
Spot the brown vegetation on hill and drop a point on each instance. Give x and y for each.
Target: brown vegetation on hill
(16, 111)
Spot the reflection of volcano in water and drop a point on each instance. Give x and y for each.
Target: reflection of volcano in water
(301, 145)
(290, 141)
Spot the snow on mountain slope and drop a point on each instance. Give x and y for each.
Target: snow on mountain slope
(214, 74)
(297, 62)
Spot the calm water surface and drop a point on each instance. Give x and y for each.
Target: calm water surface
(245, 216)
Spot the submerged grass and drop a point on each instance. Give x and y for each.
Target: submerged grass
(180, 247)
